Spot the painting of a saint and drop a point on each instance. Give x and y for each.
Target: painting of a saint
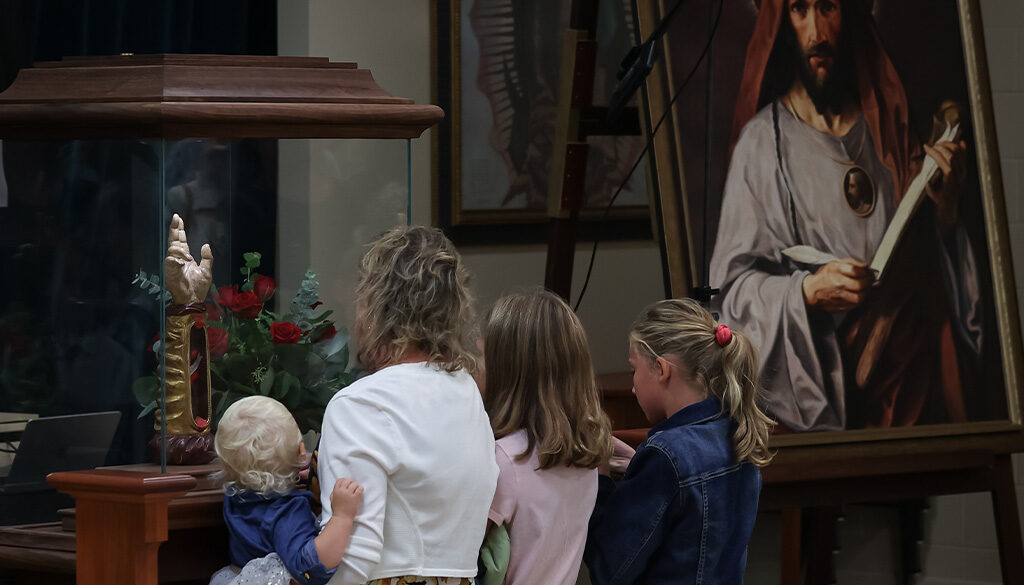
(824, 140)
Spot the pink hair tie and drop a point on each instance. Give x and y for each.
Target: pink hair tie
(722, 334)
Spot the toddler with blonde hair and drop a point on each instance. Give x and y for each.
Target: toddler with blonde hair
(273, 535)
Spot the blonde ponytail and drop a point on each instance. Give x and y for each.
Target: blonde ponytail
(681, 328)
(739, 391)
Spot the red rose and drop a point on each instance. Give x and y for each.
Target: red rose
(218, 339)
(283, 332)
(328, 333)
(213, 312)
(246, 305)
(264, 287)
(226, 295)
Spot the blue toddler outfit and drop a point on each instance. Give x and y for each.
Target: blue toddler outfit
(684, 510)
(259, 525)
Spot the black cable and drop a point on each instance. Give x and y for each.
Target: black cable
(647, 146)
(708, 127)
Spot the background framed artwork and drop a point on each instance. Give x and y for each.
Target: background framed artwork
(937, 50)
(496, 66)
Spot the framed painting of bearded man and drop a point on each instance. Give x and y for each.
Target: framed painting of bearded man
(832, 169)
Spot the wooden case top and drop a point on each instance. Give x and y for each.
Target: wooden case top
(219, 96)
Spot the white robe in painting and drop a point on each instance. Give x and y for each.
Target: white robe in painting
(762, 290)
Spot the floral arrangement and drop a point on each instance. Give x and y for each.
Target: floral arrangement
(299, 358)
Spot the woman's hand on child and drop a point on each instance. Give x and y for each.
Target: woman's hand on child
(346, 497)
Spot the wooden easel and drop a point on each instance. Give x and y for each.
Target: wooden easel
(577, 119)
(805, 492)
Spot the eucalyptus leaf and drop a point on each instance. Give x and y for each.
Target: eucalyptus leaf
(288, 383)
(222, 405)
(237, 366)
(322, 316)
(146, 389)
(148, 409)
(315, 367)
(292, 357)
(291, 391)
(268, 382)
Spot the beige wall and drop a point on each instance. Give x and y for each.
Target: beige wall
(392, 39)
(336, 178)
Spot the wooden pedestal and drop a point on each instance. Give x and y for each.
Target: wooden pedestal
(129, 520)
(121, 522)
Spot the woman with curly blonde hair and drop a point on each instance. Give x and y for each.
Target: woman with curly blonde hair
(414, 432)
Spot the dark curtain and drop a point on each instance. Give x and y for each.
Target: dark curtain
(82, 216)
(46, 30)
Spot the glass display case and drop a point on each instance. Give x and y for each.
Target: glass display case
(118, 172)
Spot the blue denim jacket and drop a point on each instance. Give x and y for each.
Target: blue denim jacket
(284, 524)
(684, 510)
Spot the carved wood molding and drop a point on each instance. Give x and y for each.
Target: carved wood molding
(220, 96)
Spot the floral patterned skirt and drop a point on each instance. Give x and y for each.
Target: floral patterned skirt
(411, 580)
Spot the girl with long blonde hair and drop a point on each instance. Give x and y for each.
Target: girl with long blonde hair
(551, 434)
(685, 509)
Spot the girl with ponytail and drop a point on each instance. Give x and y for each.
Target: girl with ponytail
(684, 510)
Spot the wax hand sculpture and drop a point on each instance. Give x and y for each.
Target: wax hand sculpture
(187, 366)
(187, 281)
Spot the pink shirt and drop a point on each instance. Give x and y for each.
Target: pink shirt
(547, 512)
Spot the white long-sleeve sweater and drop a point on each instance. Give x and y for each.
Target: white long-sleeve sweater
(419, 442)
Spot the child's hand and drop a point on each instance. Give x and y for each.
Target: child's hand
(333, 540)
(622, 454)
(304, 461)
(346, 497)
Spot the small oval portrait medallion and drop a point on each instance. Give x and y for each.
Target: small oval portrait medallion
(859, 190)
